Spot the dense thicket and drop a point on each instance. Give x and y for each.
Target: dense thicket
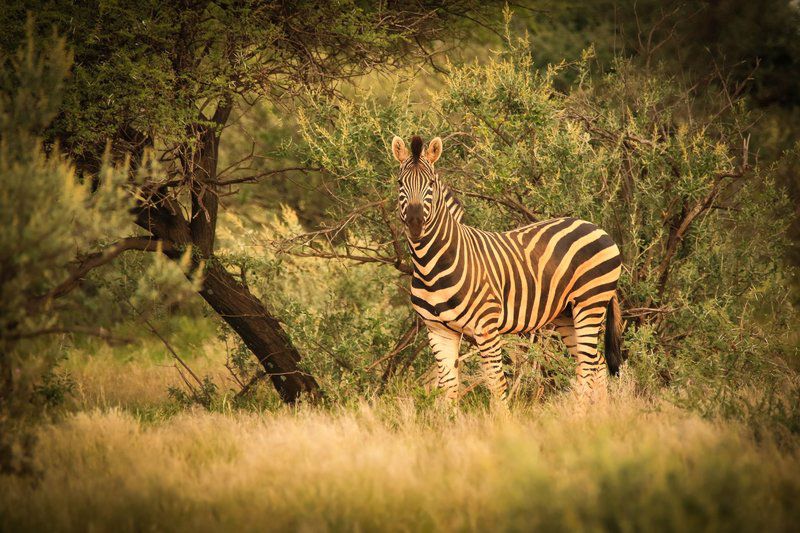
(701, 225)
(750, 49)
(156, 84)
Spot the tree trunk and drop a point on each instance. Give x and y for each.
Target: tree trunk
(259, 330)
(232, 300)
(243, 311)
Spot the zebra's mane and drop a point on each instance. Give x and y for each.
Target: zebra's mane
(453, 204)
(416, 148)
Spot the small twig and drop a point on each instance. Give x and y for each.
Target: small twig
(641, 311)
(102, 333)
(341, 362)
(172, 350)
(247, 386)
(233, 373)
(166, 343)
(186, 382)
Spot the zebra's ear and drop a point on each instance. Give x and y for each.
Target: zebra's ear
(399, 149)
(434, 150)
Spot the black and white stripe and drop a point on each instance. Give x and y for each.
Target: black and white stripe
(485, 284)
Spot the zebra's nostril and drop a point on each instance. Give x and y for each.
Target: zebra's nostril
(415, 228)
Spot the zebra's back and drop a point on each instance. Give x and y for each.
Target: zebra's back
(520, 280)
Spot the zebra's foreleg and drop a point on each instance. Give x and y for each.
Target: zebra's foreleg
(444, 345)
(492, 366)
(591, 378)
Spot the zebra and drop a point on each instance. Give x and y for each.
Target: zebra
(481, 284)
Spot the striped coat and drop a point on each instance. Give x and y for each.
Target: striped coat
(484, 284)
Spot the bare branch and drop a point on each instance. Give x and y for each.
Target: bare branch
(101, 332)
(636, 312)
(166, 343)
(92, 261)
(256, 177)
(405, 340)
(530, 215)
(402, 267)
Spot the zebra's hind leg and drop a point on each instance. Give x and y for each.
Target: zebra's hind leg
(492, 366)
(445, 344)
(592, 381)
(565, 327)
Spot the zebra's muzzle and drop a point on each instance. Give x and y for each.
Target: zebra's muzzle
(415, 216)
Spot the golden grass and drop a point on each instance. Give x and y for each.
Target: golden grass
(140, 379)
(630, 466)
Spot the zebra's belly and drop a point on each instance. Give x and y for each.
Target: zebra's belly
(452, 317)
(468, 315)
(529, 324)
(455, 310)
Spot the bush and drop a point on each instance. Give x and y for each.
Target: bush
(53, 223)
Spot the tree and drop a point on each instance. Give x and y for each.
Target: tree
(160, 82)
(55, 227)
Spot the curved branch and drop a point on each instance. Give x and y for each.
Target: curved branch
(529, 215)
(92, 261)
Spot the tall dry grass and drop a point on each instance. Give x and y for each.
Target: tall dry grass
(138, 377)
(632, 465)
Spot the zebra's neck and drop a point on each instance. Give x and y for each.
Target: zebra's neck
(452, 202)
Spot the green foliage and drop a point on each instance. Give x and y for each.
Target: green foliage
(700, 229)
(48, 215)
(51, 220)
(55, 386)
(756, 55)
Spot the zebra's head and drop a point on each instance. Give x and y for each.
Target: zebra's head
(417, 182)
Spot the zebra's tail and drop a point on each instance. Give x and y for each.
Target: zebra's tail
(614, 357)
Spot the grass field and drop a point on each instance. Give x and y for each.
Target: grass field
(124, 458)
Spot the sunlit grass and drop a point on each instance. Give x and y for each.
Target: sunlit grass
(138, 376)
(122, 455)
(631, 465)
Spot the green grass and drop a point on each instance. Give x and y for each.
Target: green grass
(631, 465)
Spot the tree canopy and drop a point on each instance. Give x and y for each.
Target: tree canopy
(156, 84)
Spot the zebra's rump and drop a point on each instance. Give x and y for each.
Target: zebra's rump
(572, 261)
